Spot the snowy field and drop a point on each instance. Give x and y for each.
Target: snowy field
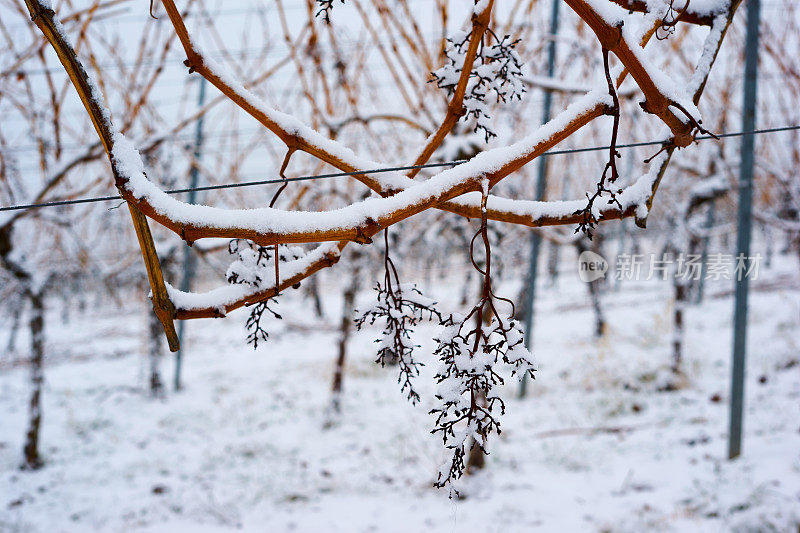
(596, 446)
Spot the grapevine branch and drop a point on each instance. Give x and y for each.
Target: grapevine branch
(409, 198)
(470, 348)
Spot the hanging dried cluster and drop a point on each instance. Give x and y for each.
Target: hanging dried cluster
(399, 307)
(470, 348)
(253, 265)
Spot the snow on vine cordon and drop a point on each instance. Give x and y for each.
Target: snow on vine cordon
(284, 222)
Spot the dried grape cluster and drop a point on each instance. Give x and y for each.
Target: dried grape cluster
(469, 351)
(400, 307)
(610, 174)
(255, 331)
(325, 7)
(250, 268)
(253, 260)
(497, 71)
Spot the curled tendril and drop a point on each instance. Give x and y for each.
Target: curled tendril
(610, 173)
(667, 26)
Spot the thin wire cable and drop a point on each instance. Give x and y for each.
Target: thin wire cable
(236, 185)
(377, 170)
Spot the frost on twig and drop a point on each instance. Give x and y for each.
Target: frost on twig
(400, 307)
(469, 350)
(497, 71)
(251, 268)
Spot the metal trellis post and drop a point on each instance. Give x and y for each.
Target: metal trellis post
(189, 259)
(744, 227)
(541, 182)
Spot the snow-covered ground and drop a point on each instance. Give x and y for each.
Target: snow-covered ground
(594, 447)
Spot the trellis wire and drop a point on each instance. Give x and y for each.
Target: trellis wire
(376, 171)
